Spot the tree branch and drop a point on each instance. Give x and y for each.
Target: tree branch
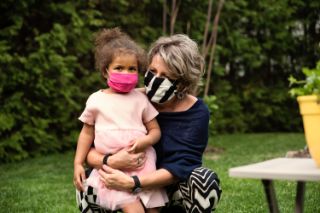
(213, 40)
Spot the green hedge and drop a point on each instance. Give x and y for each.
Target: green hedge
(43, 78)
(47, 67)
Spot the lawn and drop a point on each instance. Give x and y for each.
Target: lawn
(44, 184)
(247, 195)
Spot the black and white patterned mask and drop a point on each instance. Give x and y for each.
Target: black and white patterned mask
(159, 90)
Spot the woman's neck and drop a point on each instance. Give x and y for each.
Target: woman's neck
(177, 105)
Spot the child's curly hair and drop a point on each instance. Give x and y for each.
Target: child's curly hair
(112, 42)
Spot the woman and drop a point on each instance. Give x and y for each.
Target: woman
(175, 68)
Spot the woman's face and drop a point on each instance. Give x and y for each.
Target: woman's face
(160, 68)
(160, 84)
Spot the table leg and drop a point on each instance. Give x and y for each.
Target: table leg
(300, 196)
(271, 196)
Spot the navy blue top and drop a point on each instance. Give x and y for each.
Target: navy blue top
(184, 136)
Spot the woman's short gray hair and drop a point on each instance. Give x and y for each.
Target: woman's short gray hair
(181, 55)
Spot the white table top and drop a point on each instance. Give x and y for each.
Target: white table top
(299, 169)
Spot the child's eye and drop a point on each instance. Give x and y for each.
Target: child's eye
(132, 69)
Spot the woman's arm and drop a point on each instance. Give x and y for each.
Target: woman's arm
(120, 160)
(127, 158)
(118, 180)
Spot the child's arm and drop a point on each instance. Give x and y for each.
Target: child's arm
(85, 141)
(152, 137)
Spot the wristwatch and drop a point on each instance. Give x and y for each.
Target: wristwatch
(137, 185)
(105, 159)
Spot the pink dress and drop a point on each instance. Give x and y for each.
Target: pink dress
(118, 119)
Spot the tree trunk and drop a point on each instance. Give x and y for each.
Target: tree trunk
(212, 43)
(164, 17)
(174, 14)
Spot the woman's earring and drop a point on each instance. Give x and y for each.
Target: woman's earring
(180, 95)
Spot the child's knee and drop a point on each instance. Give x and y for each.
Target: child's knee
(153, 210)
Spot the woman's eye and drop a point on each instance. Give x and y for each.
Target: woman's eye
(163, 76)
(154, 72)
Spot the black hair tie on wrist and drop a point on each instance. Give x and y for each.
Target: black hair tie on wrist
(137, 185)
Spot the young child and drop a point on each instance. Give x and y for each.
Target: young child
(119, 117)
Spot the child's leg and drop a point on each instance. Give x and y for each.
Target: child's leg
(135, 207)
(153, 210)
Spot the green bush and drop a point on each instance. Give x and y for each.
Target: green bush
(41, 76)
(211, 102)
(230, 116)
(47, 68)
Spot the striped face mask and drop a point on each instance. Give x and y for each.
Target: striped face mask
(159, 90)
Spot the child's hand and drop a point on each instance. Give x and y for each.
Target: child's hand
(79, 176)
(135, 146)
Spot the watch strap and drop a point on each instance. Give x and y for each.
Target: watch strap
(105, 159)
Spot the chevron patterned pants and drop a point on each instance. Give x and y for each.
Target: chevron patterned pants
(199, 194)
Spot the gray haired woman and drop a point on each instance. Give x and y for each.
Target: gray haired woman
(175, 68)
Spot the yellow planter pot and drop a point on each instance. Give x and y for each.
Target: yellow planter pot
(310, 111)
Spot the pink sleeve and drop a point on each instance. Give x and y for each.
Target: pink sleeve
(149, 111)
(88, 114)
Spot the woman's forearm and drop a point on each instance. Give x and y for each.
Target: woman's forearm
(157, 179)
(121, 160)
(116, 179)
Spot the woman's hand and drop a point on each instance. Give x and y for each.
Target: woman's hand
(116, 179)
(122, 160)
(79, 176)
(126, 161)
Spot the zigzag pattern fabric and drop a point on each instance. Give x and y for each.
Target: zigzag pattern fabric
(87, 202)
(201, 192)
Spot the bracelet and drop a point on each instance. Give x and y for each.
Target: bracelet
(105, 159)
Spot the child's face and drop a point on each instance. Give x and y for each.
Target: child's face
(124, 63)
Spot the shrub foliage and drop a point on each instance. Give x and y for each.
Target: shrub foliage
(47, 70)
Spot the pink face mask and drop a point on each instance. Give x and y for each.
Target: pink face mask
(122, 82)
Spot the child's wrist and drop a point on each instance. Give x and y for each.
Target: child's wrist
(76, 163)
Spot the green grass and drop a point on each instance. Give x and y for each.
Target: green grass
(247, 195)
(44, 184)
